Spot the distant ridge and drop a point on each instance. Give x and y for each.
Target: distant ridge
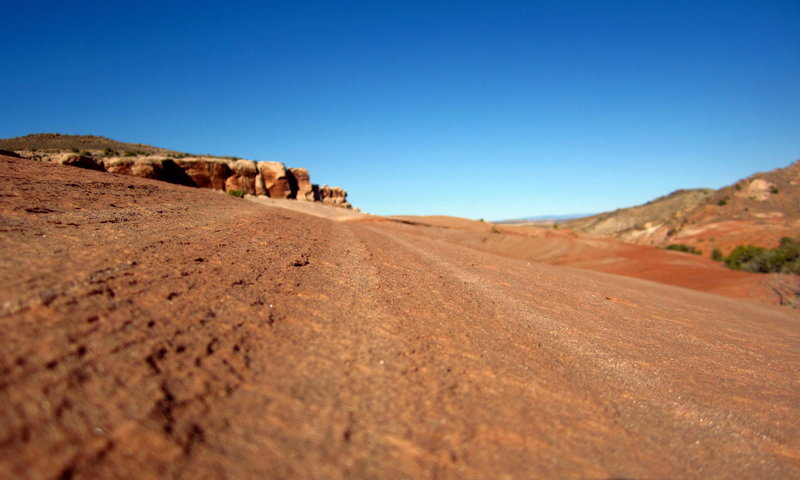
(757, 210)
(540, 218)
(57, 141)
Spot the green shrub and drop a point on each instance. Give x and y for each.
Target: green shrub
(747, 257)
(74, 150)
(494, 229)
(785, 258)
(679, 247)
(717, 255)
(723, 202)
(236, 193)
(128, 153)
(774, 190)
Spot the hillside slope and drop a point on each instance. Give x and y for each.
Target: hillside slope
(156, 331)
(59, 142)
(651, 223)
(758, 210)
(566, 248)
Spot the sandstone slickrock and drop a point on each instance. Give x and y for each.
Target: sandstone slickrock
(244, 176)
(81, 161)
(206, 172)
(149, 331)
(304, 190)
(137, 166)
(275, 180)
(272, 179)
(333, 196)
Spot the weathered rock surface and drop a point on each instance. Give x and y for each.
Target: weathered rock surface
(275, 180)
(333, 196)
(137, 166)
(206, 172)
(144, 334)
(303, 189)
(82, 161)
(271, 179)
(243, 178)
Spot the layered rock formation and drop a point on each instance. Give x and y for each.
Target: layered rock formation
(270, 179)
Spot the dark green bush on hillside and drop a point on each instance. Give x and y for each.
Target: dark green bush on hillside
(679, 247)
(785, 258)
(746, 257)
(236, 193)
(717, 255)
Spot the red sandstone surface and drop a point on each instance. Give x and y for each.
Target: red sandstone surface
(151, 330)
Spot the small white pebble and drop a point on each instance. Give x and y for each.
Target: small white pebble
(381, 362)
(270, 305)
(99, 431)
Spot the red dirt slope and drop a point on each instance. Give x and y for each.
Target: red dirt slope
(156, 331)
(566, 248)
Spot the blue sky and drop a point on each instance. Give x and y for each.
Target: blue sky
(477, 109)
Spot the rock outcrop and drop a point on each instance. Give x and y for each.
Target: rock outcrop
(243, 178)
(82, 161)
(302, 186)
(260, 178)
(333, 196)
(274, 180)
(141, 167)
(207, 172)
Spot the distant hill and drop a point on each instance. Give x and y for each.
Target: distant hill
(57, 141)
(543, 219)
(653, 220)
(758, 210)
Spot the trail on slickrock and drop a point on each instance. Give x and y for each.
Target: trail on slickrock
(154, 331)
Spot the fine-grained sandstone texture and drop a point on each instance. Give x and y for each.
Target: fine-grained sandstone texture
(150, 331)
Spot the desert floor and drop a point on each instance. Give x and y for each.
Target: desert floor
(149, 330)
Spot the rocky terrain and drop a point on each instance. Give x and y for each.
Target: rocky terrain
(231, 174)
(757, 210)
(150, 330)
(649, 224)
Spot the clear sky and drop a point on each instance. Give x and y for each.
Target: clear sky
(489, 109)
